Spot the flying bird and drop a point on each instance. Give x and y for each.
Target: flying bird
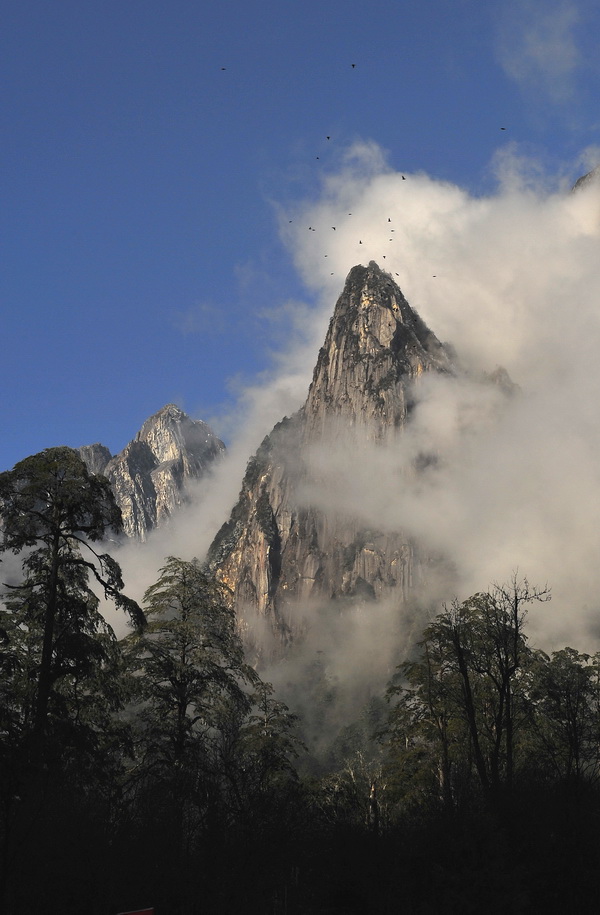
(403, 178)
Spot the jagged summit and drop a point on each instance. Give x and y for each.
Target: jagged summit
(376, 344)
(374, 303)
(279, 550)
(172, 436)
(370, 286)
(149, 476)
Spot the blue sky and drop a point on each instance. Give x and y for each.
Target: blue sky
(152, 152)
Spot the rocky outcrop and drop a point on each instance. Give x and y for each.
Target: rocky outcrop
(592, 177)
(95, 456)
(149, 477)
(279, 551)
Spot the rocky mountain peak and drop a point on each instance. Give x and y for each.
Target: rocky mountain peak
(172, 435)
(373, 310)
(376, 345)
(151, 475)
(279, 551)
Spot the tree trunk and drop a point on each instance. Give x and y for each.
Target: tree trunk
(45, 676)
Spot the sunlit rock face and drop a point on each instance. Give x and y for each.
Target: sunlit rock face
(149, 477)
(281, 551)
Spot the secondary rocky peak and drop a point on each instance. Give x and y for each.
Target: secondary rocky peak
(172, 435)
(150, 476)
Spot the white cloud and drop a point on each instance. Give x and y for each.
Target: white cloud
(511, 279)
(538, 47)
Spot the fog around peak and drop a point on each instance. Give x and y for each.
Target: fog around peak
(509, 279)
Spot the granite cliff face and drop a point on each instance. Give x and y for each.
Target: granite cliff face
(150, 475)
(278, 551)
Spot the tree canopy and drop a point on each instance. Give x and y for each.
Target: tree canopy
(53, 511)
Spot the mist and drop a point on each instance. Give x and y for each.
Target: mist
(510, 279)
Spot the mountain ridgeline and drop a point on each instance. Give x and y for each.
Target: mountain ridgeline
(283, 555)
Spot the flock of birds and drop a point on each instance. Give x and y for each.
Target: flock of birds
(334, 228)
(311, 229)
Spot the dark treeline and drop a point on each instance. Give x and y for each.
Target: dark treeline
(161, 770)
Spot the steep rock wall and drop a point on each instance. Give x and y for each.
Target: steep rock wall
(278, 552)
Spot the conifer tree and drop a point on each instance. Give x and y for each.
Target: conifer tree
(53, 511)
